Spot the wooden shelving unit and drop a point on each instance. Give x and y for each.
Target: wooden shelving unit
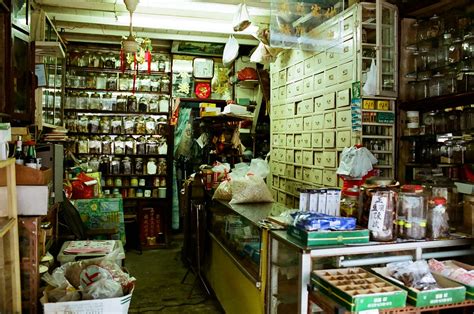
(10, 288)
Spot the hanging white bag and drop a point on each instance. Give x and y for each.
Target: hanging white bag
(231, 51)
(263, 54)
(370, 86)
(241, 18)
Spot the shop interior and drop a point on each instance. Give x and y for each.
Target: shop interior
(230, 156)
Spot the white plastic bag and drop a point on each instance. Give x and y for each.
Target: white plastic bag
(250, 189)
(259, 167)
(241, 18)
(223, 191)
(370, 86)
(231, 51)
(264, 54)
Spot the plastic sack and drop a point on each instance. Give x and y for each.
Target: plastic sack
(356, 162)
(220, 171)
(453, 271)
(262, 54)
(231, 51)
(370, 86)
(250, 189)
(413, 274)
(82, 187)
(223, 191)
(241, 18)
(259, 167)
(103, 289)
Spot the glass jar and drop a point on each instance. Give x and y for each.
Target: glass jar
(106, 145)
(165, 84)
(144, 84)
(139, 193)
(104, 166)
(73, 100)
(382, 215)
(118, 182)
(429, 122)
(141, 182)
(150, 125)
(105, 125)
(101, 81)
(163, 147)
(132, 103)
(435, 27)
(164, 103)
(73, 58)
(127, 166)
(129, 125)
(422, 89)
(116, 125)
(141, 145)
(153, 105)
(111, 82)
(468, 46)
(95, 145)
(155, 84)
(129, 146)
(124, 82)
(453, 120)
(143, 104)
(94, 103)
(109, 181)
(441, 121)
(454, 51)
(107, 102)
(467, 118)
(140, 126)
(90, 80)
(411, 218)
(83, 145)
(83, 101)
(161, 64)
(83, 124)
(151, 166)
(139, 166)
(162, 166)
(119, 145)
(121, 103)
(94, 124)
(469, 152)
(71, 123)
(84, 59)
(109, 61)
(438, 226)
(437, 85)
(94, 164)
(152, 146)
(115, 166)
(134, 181)
(131, 192)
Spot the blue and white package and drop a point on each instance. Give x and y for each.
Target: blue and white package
(316, 221)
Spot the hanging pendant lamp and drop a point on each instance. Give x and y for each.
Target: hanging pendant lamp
(130, 45)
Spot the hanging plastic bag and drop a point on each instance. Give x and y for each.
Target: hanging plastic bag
(250, 189)
(259, 167)
(241, 18)
(231, 51)
(370, 86)
(262, 54)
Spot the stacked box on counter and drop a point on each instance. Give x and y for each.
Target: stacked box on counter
(102, 213)
(328, 237)
(449, 292)
(358, 290)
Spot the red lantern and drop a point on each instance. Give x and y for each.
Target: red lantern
(203, 90)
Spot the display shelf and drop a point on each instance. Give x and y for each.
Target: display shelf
(134, 175)
(441, 165)
(132, 186)
(377, 124)
(85, 89)
(385, 137)
(439, 102)
(92, 111)
(6, 224)
(117, 134)
(123, 155)
(118, 71)
(145, 198)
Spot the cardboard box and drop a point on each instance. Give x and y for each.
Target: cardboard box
(469, 289)
(318, 238)
(358, 290)
(32, 200)
(450, 292)
(29, 176)
(112, 305)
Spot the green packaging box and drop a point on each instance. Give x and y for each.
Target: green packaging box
(319, 238)
(451, 291)
(469, 289)
(358, 290)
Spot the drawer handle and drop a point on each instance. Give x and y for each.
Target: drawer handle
(343, 139)
(320, 81)
(343, 119)
(328, 140)
(328, 101)
(346, 49)
(345, 72)
(328, 159)
(331, 55)
(308, 84)
(297, 88)
(298, 70)
(346, 27)
(319, 159)
(342, 98)
(308, 65)
(328, 179)
(328, 120)
(331, 77)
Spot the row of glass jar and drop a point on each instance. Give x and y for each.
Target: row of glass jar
(439, 122)
(110, 165)
(439, 84)
(123, 82)
(456, 23)
(120, 145)
(111, 60)
(106, 102)
(117, 125)
(51, 99)
(134, 181)
(134, 193)
(448, 152)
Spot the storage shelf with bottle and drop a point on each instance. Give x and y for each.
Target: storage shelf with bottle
(119, 125)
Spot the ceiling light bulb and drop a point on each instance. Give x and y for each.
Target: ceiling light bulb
(131, 5)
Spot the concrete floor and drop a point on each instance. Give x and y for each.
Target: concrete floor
(158, 286)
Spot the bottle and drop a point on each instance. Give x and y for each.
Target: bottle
(30, 160)
(19, 155)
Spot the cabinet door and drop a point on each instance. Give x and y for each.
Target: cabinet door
(22, 76)
(387, 54)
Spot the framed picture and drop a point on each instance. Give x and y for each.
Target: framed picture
(203, 68)
(197, 48)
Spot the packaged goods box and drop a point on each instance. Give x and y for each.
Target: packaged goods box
(32, 200)
(317, 238)
(29, 176)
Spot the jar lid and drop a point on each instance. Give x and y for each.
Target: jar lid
(106, 138)
(412, 188)
(439, 200)
(107, 95)
(152, 159)
(121, 97)
(132, 97)
(126, 159)
(95, 95)
(84, 94)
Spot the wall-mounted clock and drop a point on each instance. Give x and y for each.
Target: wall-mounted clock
(203, 68)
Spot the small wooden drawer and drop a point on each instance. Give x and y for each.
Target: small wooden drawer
(299, 173)
(332, 55)
(298, 70)
(290, 73)
(307, 174)
(329, 139)
(348, 26)
(308, 105)
(275, 80)
(289, 202)
(330, 76)
(344, 119)
(319, 104)
(306, 140)
(290, 140)
(329, 101)
(274, 167)
(317, 139)
(318, 81)
(282, 183)
(298, 157)
(329, 159)
(332, 32)
(275, 141)
(282, 77)
(288, 110)
(298, 88)
(308, 158)
(298, 124)
(343, 98)
(275, 152)
(276, 181)
(281, 169)
(309, 66)
(298, 140)
(307, 123)
(318, 121)
(308, 84)
(330, 120)
(319, 61)
(290, 155)
(290, 90)
(275, 94)
(290, 171)
(282, 93)
(317, 176)
(281, 154)
(318, 159)
(346, 72)
(346, 49)
(343, 139)
(282, 140)
(329, 178)
(281, 197)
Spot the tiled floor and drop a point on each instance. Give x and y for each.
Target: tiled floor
(159, 288)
